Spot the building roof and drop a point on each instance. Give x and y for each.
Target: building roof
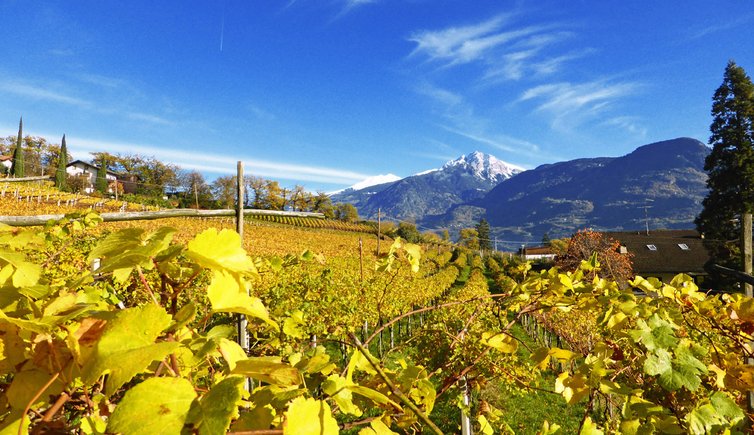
(90, 166)
(538, 250)
(664, 251)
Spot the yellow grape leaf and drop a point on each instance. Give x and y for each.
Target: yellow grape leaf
(293, 325)
(127, 345)
(5, 273)
(155, 406)
(309, 417)
(502, 342)
(336, 387)
(374, 396)
(26, 274)
(27, 383)
(220, 251)
(15, 423)
(719, 375)
(413, 252)
(589, 428)
(377, 427)
(232, 352)
(270, 370)
(258, 418)
(548, 429)
(573, 388)
(213, 413)
(12, 347)
(484, 426)
(358, 362)
(228, 294)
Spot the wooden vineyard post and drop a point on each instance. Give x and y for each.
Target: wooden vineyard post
(361, 260)
(379, 229)
(746, 257)
(243, 335)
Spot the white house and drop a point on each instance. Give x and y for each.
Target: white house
(79, 168)
(6, 162)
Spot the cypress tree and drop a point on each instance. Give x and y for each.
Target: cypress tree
(60, 174)
(730, 165)
(483, 231)
(101, 183)
(17, 167)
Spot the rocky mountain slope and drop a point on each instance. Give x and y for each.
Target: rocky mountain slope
(661, 185)
(433, 192)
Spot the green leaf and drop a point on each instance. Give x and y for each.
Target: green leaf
(658, 362)
(309, 417)
(127, 345)
(220, 251)
(156, 406)
(655, 334)
(213, 413)
(270, 370)
(685, 370)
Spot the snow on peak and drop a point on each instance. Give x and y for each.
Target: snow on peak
(485, 166)
(375, 180)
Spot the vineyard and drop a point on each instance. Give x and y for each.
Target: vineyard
(130, 328)
(41, 197)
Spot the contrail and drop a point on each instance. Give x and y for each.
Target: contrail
(222, 29)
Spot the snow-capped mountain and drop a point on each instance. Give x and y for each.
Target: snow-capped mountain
(431, 192)
(485, 166)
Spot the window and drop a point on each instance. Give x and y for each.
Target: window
(652, 247)
(684, 247)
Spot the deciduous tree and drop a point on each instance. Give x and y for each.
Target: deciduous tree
(585, 243)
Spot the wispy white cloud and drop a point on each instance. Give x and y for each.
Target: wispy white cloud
(504, 51)
(101, 81)
(629, 124)
(740, 21)
(34, 92)
(145, 117)
(349, 5)
(260, 113)
(218, 164)
(570, 104)
(440, 95)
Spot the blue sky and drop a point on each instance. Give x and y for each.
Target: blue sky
(327, 92)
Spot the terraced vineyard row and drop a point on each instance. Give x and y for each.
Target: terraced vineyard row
(312, 222)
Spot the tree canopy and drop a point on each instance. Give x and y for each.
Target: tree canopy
(730, 165)
(585, 243)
